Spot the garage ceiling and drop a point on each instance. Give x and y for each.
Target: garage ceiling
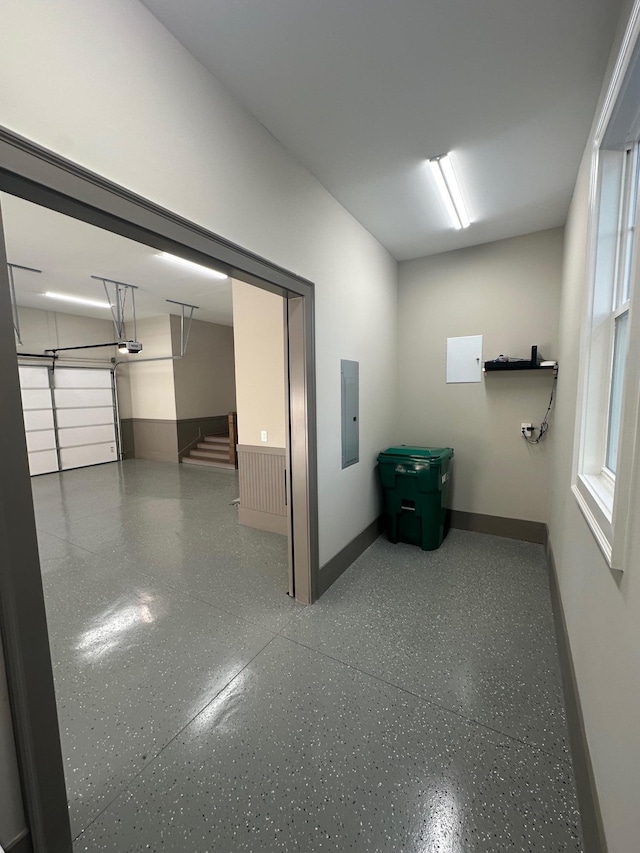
(362, 91)
(69, 252)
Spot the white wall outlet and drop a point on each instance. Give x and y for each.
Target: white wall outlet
(263, 435)
(526, 430)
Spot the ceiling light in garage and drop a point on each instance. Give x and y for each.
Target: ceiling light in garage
(66, 298)
(199, 267)
(449, 189)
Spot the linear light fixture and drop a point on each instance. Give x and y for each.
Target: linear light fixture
(192, 264)
(66, 298)
(449, 189)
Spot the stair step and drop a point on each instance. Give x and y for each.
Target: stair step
(212, 448)
(207, 463)
(216, 439)
(214, 455)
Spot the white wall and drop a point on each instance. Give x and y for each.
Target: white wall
(508, 292)
(601, 607)
(258, 330)
(204, 379)
(104, 84)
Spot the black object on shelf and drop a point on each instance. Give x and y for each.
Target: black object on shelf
(521, 364)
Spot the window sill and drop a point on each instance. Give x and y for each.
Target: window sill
(594, 495)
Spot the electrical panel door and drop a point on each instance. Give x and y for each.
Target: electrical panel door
(350, 427)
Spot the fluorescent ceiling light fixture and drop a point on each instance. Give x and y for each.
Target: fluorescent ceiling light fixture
(449, 189)
(192, 264)
(66, 298)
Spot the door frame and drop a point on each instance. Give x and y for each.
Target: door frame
(38, 175)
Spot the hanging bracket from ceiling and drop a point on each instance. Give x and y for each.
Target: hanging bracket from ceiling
(117, 292)
(14, 304)
(185, 323)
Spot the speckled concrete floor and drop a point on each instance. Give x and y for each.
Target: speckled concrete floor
(416, 707)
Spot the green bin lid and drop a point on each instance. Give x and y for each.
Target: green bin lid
(407, 453)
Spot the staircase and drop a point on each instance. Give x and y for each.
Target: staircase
(213, 451)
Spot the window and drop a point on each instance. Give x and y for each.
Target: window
(620, 289)
(608, 410)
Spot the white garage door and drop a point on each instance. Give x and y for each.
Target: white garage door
(78, 407)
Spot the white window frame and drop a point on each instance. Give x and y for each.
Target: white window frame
(605, 498)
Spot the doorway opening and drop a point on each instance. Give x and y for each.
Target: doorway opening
(34, 176)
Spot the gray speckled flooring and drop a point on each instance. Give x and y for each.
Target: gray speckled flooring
(416, 707)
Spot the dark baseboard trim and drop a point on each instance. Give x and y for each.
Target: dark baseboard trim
(220, 421)
(127, 443)
(510, 528)
(331, 571)
(21, 845)
(592, 825)
(150, 420)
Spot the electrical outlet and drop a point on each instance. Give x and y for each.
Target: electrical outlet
(526, 430)
(263, 435)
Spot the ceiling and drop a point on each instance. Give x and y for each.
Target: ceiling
(69, 252)
(363, 91)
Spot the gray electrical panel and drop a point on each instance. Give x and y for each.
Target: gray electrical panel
(349, 371)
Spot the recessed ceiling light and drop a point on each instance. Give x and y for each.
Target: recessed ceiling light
(66, 298)
(449, 189)
(192, 264)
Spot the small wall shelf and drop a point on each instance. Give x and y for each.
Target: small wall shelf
(495, 366)
(524, 364)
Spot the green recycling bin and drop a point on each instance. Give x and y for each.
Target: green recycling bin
(416, 483)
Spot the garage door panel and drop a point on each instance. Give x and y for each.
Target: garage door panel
(92, 454)
(34, 377)
(82, 398)
(36, 399)
(43, 462)
(39, 419)
(44, 439)
(86, 435)
(85, 417)
(82, 378)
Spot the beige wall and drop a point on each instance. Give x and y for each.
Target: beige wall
(508, 292)
(204, 379)
(42, 330)
(151, 383)
(602, 607)
(258, 329)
